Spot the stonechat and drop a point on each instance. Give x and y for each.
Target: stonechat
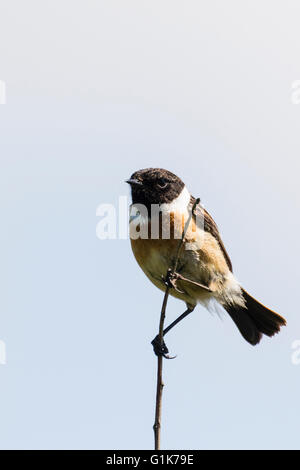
(161, 205)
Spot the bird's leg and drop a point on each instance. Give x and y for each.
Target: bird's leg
(173, 277)
(161, 349)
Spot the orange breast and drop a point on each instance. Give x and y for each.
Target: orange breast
(156, 256)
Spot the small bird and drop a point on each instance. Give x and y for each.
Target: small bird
(204, 270)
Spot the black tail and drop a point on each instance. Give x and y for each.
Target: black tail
(255, 319)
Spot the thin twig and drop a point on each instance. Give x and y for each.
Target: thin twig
(160, 384)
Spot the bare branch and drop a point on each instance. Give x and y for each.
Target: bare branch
(171, 274)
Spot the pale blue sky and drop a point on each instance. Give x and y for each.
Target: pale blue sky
(95, 91)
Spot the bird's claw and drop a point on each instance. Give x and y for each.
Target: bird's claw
(171, 280)
(160, 349)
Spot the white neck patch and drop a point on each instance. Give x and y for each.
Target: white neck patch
(179, 204)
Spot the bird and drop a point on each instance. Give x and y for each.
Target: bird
(161, 206)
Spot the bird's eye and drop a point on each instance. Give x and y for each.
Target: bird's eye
(162, 183)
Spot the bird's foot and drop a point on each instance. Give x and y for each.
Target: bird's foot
(171, 280)
(160, 349)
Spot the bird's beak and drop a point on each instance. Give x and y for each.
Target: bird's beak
(134, 182)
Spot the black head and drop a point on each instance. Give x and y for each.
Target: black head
(154, 186)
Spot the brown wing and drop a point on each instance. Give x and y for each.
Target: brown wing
(211, 227)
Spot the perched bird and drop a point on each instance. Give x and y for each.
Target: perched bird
(204, 270)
